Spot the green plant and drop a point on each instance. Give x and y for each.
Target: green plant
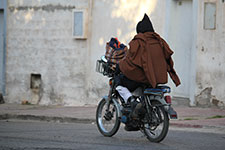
(190, 119)
(216, 117)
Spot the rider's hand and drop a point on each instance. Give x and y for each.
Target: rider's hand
(113, 67)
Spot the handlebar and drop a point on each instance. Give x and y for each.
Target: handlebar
(105, 68)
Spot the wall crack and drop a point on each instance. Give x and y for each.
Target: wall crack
(48, 8)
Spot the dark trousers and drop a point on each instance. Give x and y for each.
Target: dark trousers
(122, 80)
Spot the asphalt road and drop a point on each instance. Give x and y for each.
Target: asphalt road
(15, 135)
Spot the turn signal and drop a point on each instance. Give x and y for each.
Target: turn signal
(168, 99)
(110, 82)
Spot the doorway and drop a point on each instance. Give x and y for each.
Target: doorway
(180, 38)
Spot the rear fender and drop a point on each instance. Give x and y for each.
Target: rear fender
(159, 99)
(170, 111)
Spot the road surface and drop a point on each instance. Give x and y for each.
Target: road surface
(25, 135)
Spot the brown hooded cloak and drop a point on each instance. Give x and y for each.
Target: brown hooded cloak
(148, 60)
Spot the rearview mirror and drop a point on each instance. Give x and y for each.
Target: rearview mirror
(103, 58)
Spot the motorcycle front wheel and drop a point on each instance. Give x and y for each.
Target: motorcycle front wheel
(107, 118)
(157, 129)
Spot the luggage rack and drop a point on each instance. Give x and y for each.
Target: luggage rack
(104, 68)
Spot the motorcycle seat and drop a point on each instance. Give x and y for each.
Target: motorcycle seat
(158, 90)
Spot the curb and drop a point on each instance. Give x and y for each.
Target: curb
(74, 120)
(46, 118)
(182, 125)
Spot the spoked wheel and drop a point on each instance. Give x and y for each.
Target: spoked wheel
(156, 125)
(107, 118)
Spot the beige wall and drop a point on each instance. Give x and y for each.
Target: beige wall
(39, 40)
(117, 18)
(211, 58)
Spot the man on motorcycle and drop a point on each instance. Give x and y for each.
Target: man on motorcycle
(147, 62)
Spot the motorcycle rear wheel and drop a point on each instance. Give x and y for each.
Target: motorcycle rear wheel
(156, 132)
(108, 122)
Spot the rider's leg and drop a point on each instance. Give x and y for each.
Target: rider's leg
(124, 92)
(121, 87)
(124, 86)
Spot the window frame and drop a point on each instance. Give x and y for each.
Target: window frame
(207, 26)
(84, 24)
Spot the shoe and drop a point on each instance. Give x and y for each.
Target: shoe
(132, 102)
(136, 111)
(135, 107)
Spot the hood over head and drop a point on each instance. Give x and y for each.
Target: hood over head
(145, 25)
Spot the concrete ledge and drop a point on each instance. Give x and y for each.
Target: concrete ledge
(184, 125)
(45, 118)
(75, 120)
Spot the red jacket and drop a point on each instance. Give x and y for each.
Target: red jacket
(148, 60)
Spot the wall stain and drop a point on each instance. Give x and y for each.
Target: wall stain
(202, 49)
(203, 99)
(48, 8)
(206, 99)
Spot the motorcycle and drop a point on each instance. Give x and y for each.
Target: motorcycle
(152, 120)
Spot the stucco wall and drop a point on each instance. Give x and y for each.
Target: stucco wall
(40, 42)
(117, 18)
(211, 58)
